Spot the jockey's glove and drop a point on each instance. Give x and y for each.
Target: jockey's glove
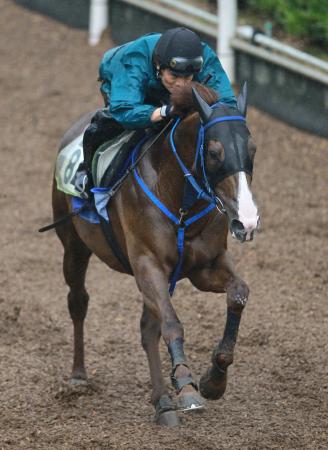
(167, 112)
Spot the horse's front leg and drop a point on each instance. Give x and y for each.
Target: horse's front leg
(152, 281)
(221, 277)
(150, 335)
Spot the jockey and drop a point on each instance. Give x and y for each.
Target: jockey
(136, 81)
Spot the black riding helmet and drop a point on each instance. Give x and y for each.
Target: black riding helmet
(179, 50)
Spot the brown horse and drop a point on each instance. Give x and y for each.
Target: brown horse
(148, 239)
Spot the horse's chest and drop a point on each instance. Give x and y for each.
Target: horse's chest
(201, 247)
(199, 251)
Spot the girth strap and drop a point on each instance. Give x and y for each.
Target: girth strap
(113, 244)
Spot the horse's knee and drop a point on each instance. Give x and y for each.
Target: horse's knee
(237, 295)
(78, 304)
(171, 330)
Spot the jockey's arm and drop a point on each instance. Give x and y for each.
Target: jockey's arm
(219, 80)
(127, 94)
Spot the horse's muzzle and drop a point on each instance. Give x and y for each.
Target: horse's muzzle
(239, 232)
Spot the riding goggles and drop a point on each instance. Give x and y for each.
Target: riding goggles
(181, 65)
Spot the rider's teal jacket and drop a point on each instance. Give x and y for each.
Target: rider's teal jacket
(129, 80)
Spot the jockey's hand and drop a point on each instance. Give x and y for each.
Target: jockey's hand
(165, 112)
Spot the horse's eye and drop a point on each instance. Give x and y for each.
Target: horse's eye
(216, 151)
(213, 154)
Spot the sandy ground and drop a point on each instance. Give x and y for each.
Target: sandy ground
(278, 386)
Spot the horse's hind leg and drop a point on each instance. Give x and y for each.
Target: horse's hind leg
(76, 259)
(150, 335)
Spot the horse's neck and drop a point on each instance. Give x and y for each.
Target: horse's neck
(164, 174)
(185, 141)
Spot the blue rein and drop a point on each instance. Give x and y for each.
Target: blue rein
(199, 193)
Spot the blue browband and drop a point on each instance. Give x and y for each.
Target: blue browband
(223, 119)
(201, 194)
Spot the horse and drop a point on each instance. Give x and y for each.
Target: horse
(212, 143)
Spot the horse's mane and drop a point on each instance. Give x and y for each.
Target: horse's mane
(181, 98)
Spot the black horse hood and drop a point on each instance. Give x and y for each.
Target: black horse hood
(233, 134)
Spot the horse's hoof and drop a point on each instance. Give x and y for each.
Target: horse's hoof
(78, 382)
(213, 387)
(189, 400)
(166, 414)
(168, 419)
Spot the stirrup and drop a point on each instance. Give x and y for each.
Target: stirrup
(82, 183)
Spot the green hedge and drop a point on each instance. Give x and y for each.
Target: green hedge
(304, 19)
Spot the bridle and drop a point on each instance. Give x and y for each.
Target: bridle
(204, 190)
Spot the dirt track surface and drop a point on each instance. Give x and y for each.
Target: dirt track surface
(278, 386)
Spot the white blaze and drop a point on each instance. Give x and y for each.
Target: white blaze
(247, 209)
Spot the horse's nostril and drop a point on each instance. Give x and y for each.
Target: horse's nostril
(237, 227)
(237, 230)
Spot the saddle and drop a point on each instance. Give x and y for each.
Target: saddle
(109, 161)
(112, 158)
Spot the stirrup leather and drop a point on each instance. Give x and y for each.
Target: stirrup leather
(81, 183)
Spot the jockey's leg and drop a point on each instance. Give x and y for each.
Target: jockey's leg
(101, 129)
(221, 277)
(152, 281)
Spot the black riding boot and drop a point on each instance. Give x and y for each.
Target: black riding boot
(101, 129)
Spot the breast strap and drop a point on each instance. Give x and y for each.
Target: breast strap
(179, 221)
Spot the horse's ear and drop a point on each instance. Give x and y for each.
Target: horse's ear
(205, 111)
(242, 99)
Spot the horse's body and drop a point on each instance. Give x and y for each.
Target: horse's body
(148, 240)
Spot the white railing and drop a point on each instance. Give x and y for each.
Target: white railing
(191, 10)
(228, 36)
(247, 32)
(98, 20)
(185, 15)
(281, 54)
